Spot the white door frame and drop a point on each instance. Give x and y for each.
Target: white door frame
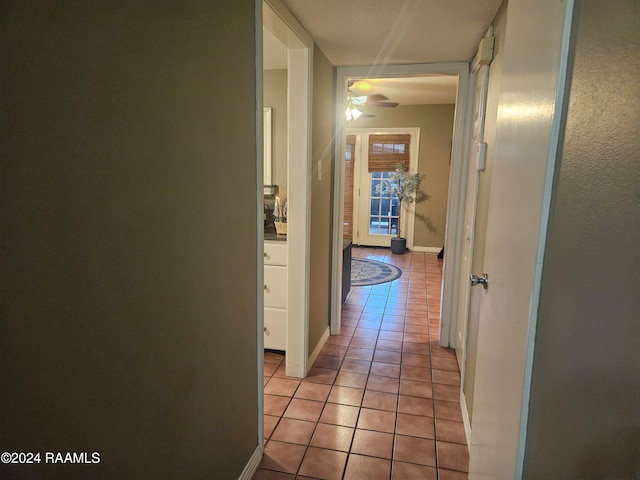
(414, 153)
(253, 463)
(299, 78)
(457, 179)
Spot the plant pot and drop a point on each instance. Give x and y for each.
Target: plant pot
(281, 228)
(398, 245)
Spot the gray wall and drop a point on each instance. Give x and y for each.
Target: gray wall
(583, 419)
(436, 133)
(321, 150)
(275, 96)
(128, 163)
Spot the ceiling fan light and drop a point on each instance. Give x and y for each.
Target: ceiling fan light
(353, 113)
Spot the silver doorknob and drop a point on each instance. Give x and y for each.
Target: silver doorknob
(475, 280)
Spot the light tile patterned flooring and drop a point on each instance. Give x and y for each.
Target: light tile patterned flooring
(382, 399)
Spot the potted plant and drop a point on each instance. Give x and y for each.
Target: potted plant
(404, 186)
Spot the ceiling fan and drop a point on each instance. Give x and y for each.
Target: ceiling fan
(356, 99)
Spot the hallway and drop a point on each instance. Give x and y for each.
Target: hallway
(382, 399)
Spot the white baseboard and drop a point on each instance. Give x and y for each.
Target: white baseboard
(316, 351)
(465, 418)
(254, 462)
(426, 249)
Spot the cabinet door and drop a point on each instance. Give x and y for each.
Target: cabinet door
(275, 286)
(275, 253)
(275, 328)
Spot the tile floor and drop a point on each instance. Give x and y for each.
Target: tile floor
(382, 399)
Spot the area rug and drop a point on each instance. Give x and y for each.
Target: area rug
(371, 272)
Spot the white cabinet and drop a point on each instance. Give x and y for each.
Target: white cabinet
(275, 295)
(275, 286)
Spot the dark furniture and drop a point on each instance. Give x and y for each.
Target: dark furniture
(346, 269)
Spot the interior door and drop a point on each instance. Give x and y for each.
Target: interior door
(526, 142)
(477, 159)
(475, 240)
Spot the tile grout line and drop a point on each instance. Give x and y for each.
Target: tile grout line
(419, 271)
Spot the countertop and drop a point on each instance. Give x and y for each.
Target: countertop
(271, 235)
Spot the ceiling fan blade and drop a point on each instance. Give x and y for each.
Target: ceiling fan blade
(376, 97)
(381, 104)
(359, 100)
(373, 100)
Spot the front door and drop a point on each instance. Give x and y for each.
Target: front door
(378, 211)
(376, 214)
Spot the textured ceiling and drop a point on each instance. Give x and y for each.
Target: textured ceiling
(374, 32)
(429, 89)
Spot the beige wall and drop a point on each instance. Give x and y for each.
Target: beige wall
(129, 233)
(436, 130)
(321, 151)
(583, 417)
(275, 96)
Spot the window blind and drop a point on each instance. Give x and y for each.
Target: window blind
(385, 151)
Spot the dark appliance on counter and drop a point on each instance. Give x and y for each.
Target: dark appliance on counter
(267, 215)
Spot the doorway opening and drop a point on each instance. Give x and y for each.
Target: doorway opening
(346, 76)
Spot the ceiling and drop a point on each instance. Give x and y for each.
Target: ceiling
(375, 32)
(427, 89)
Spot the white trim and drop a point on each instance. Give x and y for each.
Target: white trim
(557, 126)
(465, 418)
(299, 213)
(457, 176)
(454, 230)
(299, 94)
(287, 24)
(449, 330)
(266, 141)
(427, 249)
(252, 466)
(260, 233)
(316, 351)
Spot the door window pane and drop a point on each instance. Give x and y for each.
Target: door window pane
(375, 206)
(383, 208)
